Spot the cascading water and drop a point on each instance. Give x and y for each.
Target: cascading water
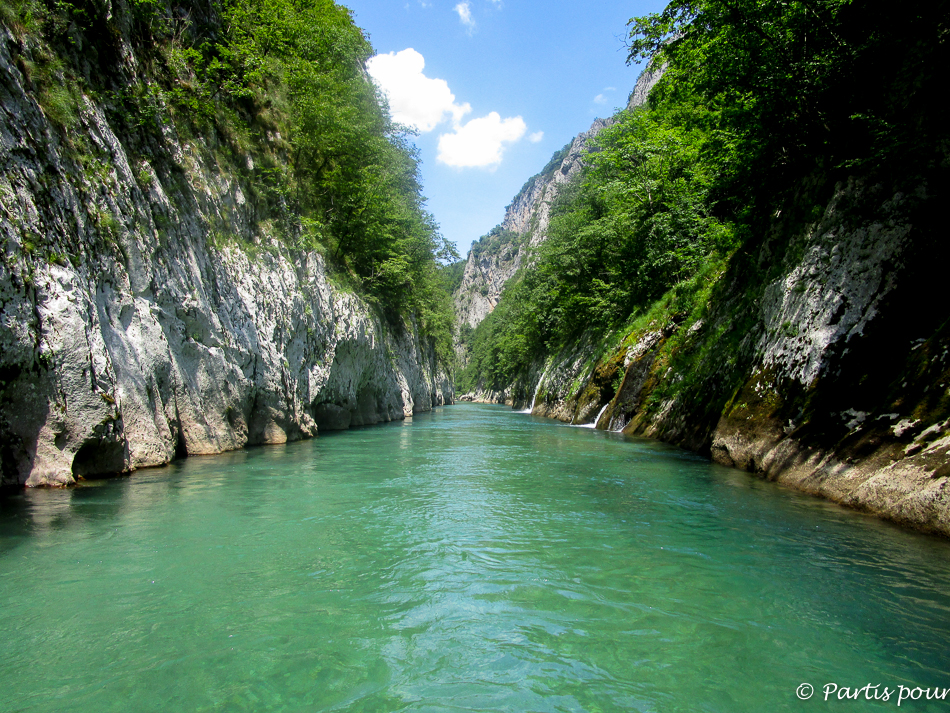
(593, 424)
(536, 390)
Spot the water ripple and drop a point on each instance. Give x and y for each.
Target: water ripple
(487, 562)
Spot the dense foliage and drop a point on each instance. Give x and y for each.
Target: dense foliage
(452, 275)
(495, 241)
(757, 97)
(638, 222)
(282, 82)
(826, 81)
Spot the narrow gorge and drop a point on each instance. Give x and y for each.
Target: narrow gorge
(674, 436)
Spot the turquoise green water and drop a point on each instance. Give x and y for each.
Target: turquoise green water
(472, 559)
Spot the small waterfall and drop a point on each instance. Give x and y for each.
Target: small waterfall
(593, 424)
(536, 390)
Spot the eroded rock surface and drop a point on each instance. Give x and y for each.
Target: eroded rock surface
(148, 311)
(831, 376)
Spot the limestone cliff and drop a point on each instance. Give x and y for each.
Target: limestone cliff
(148, 309)
(830, 373)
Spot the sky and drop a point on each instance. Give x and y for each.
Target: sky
(494, 88)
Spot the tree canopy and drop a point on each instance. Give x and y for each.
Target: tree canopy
(757, 98)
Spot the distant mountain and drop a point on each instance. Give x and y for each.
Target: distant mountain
(496, 257)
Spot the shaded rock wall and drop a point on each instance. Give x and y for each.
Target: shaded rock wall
(831, 374)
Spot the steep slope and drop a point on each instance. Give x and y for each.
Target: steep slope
(759, 285)
(498, 256)
(152, 304)
(830, 373)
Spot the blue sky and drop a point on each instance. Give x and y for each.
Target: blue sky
(519, 79)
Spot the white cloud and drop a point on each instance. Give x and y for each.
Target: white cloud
(423, 103)
(603, 98)
(481, 142)
(465, 14)
(414, 98)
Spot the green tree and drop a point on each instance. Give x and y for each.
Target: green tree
(282, 82)
(801, 85)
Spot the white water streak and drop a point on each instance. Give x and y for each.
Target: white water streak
(536, 390)
(593, 424)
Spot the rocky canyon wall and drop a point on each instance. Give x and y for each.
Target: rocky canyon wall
(829, 374)
(151, 308)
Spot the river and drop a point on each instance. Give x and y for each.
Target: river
(471, 559)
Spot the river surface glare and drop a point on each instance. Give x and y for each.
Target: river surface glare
(471, 559)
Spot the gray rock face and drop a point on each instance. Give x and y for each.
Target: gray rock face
(146, 310)
(842, 390)
(824, 322)
(528, 217)
(646, 81)
(530, 212)
(482, 283)
(833, 292)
